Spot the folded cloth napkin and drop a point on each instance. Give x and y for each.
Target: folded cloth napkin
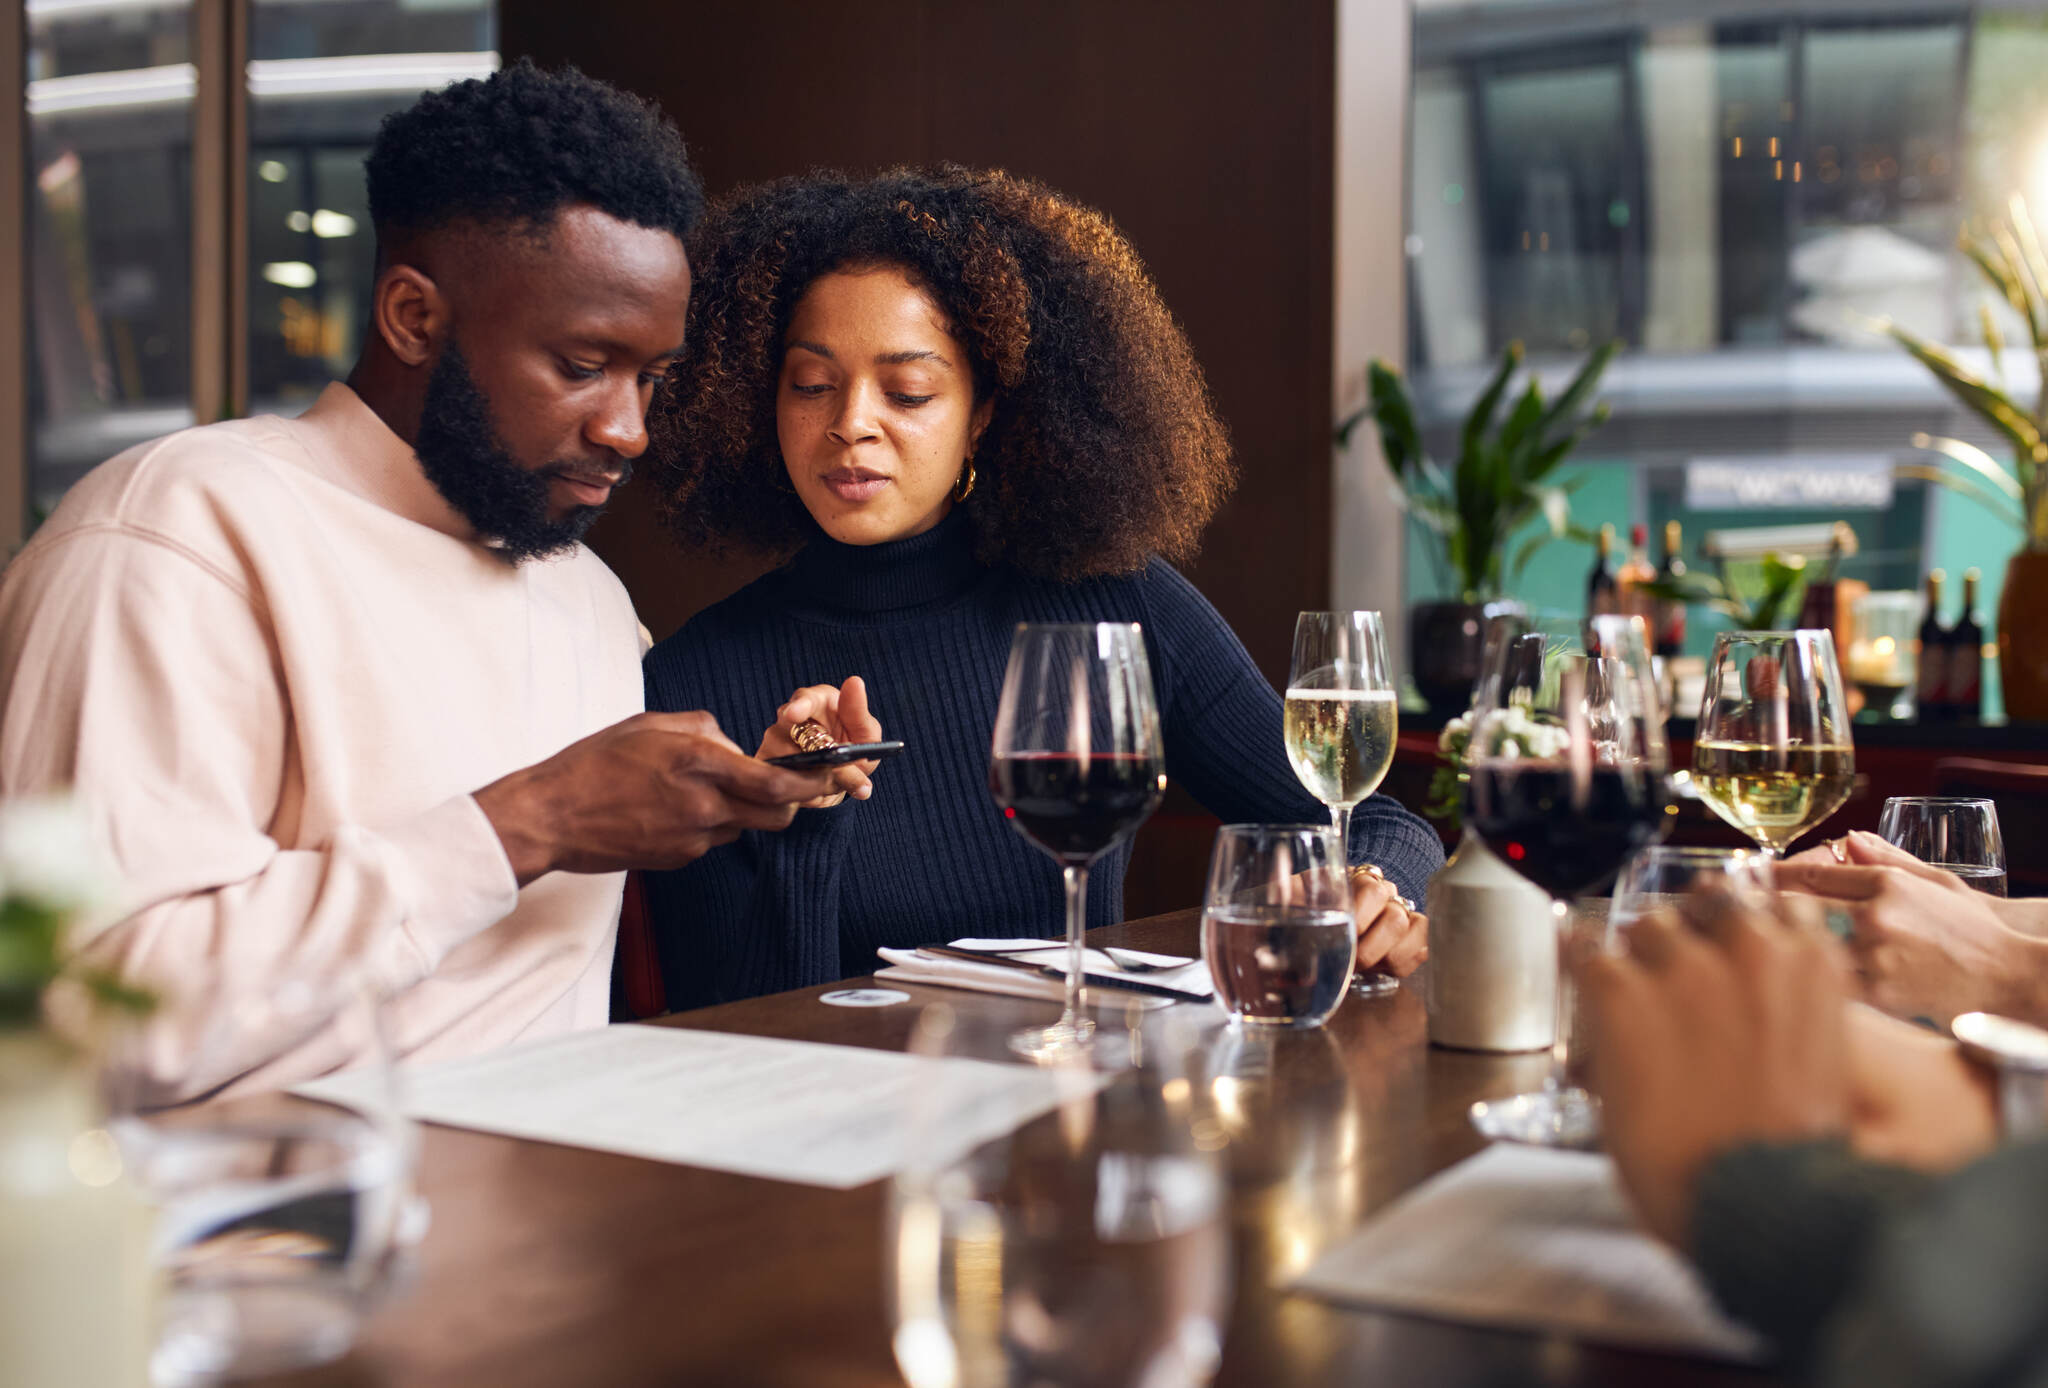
(908, 966)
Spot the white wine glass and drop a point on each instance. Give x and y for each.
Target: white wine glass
(1773, 755)
(1955, 833)
(1339, 725)
(1076, 764)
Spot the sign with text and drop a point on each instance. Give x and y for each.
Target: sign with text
(1802, 482)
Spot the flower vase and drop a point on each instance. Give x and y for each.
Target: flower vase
(1492, 979)
(77, 1294)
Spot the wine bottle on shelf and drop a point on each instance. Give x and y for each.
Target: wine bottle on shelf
(1669, 626)
(1602, 599)
(1966, 656)
(1629, 584)
(1930, 694)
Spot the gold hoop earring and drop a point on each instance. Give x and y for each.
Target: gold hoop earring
(965, 487)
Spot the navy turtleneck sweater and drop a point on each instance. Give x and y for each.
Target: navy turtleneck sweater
(929, 857)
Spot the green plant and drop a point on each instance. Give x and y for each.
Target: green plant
(1499, 481)
(2009, 254)
(1767, 607)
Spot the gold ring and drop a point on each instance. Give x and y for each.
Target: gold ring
(811, 736)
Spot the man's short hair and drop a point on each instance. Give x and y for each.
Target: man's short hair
(514, 148)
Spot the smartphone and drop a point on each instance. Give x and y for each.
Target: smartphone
(838, 756)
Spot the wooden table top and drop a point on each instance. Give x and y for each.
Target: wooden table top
(556, 1266)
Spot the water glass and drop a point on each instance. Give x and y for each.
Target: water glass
(1957, 834)
(1278, 930)
(1089, 1248)
(279, 1220)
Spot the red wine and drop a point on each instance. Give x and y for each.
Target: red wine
(1073, 809)
(1528, 816)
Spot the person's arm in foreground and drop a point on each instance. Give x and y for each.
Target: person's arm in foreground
(1743, 1105)
(148, 680)
(1925, 943)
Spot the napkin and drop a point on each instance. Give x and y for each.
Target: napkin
(908, 966)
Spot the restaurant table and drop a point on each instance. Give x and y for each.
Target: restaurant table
(552, 1265)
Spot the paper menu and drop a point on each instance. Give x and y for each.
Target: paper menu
(799, 1111)
(1529, 1239)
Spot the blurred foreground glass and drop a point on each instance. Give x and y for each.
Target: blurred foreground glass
(1959, 835)
(1087, 1249)
(1773, 754)
(1076, 764)
(1663, 874)
(1277, 926)
(1340, 721)
(279, 1220)
(1569, 777)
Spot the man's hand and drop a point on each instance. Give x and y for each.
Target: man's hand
(1925, 944)
(1391, 938)
(654, 791)
(1722, 1029)
(843, 712)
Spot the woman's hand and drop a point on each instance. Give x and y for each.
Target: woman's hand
(1391, 937)
(1720, 1030)
(843, 712)
(1925, 944)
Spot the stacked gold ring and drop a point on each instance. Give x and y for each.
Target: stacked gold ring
(811, 736)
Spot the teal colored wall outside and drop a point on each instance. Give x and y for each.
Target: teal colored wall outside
(1968, 535)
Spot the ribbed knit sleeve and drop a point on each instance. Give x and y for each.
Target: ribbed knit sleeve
(1781, 1232)
(1224, 736)
(1869, 1276)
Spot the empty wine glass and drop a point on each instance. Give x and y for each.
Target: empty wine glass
(1957, 834)
(1660, 876)
(1077, 764)
(1773, 754)
(1340, 722)
(1089, 1247)
(1569, 776)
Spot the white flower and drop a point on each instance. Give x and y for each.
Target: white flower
(49, 855)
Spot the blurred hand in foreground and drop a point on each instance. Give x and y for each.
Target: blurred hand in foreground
(1719, 1029)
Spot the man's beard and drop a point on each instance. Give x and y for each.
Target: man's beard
(461, 454)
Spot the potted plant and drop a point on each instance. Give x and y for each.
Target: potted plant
(1499, 482)
(74, 1235)
(2009, 254)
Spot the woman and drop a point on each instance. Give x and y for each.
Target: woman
(957, 400)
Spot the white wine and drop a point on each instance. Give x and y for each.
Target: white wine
(1340, 741)
(1773, 794)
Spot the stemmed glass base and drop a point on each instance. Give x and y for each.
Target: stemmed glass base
(1374, 985)
(1064, 1042)
(1559, 1114)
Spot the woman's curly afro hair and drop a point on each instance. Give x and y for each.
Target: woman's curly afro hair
(1103, 447)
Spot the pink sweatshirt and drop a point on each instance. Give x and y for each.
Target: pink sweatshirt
(275, 663)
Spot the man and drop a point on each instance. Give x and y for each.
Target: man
(345, 692)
